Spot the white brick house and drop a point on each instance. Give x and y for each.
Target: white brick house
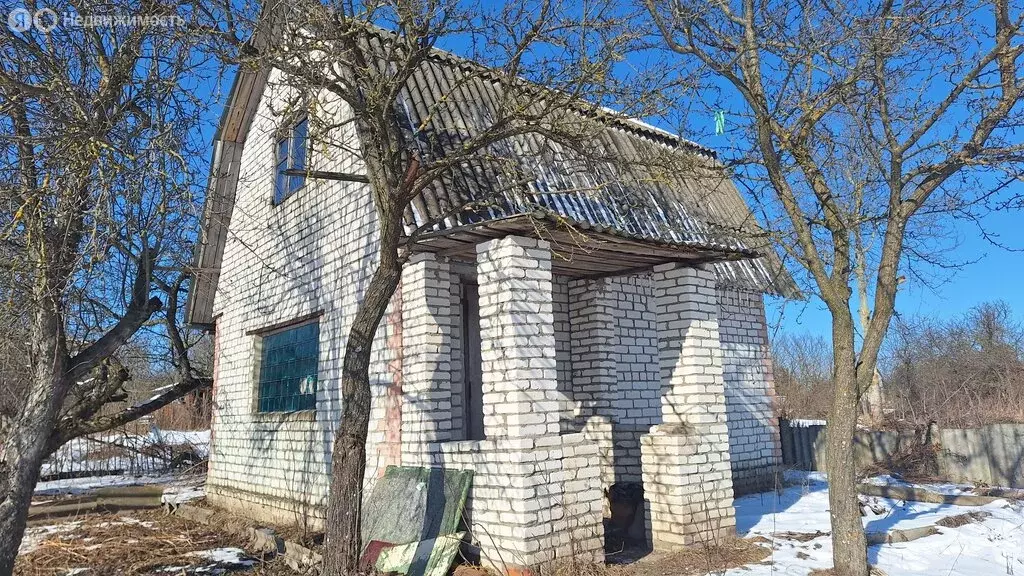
(640, 357)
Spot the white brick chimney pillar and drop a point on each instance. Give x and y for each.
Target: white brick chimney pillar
(517, 336)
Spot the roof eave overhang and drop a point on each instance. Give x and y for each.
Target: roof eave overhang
(228, 142)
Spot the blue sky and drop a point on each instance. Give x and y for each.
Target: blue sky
(998, 274)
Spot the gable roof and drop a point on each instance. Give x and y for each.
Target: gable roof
(693, 211)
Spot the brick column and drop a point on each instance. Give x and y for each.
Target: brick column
(594, 357)
(686, 469)
(426, 363)
(517, 337)
(594, 365)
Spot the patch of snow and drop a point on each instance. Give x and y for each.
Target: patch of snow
(36, 535)
(125, 451)
(802, 477)
(945, 488)
(181, 494)
(76, 571)
(82, 485)
(993, 546)
(226, 557)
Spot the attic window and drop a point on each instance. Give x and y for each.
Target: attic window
(290, 155)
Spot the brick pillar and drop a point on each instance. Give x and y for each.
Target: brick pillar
(517, 337)
(686, 469)
(426, 364)
(594, 357)
(594, 364)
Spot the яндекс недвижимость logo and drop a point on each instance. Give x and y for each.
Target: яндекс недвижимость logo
(22, 19)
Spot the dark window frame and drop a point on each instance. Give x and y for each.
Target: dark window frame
(291, 152)
(284, 369)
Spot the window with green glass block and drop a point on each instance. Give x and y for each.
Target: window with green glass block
(288, 369)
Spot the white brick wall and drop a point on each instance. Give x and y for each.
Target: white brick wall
(534, 500)
(687, 474)
(749, 390)
(304, 256)
(426, 359)
(517, 338)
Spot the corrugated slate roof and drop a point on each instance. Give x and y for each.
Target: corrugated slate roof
(662, 189)
(694, 205)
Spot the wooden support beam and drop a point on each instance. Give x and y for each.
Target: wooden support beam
(322, 175)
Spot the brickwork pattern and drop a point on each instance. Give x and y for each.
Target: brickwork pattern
(457, 374)
(593, 343)
(534, 500)
(563, 348)
(427, 359)
(306, 256)
(638, 398)
(686, 468)
(749, 390)
(517, 338)
(687, 489)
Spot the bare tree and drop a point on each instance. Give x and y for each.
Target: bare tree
(965, 371)
(859, 122)
(546, 67)
(97, 190)
(802, 371)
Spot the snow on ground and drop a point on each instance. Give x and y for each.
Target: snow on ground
(126, 452)
(797, 523)
(83, 485)
(946, 488)
(184, 490)
(227, 557)
(179, 488)
(36, 535)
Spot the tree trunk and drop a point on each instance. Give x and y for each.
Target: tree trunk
(348, 458)
(24, 450)
(849, 548)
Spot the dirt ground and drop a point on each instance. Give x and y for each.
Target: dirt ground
(142, 542)
(154, 543)
(696, 560)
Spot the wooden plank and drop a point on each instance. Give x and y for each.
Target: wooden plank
(111, 499)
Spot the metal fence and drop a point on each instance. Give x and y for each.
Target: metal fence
(991, 454)
(799, 440)
(126, 452)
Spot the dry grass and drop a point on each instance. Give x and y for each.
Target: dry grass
(699, 560)
(963, 519)
(138, 543)
(801, 536)
(690, 561)
(913, 462)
